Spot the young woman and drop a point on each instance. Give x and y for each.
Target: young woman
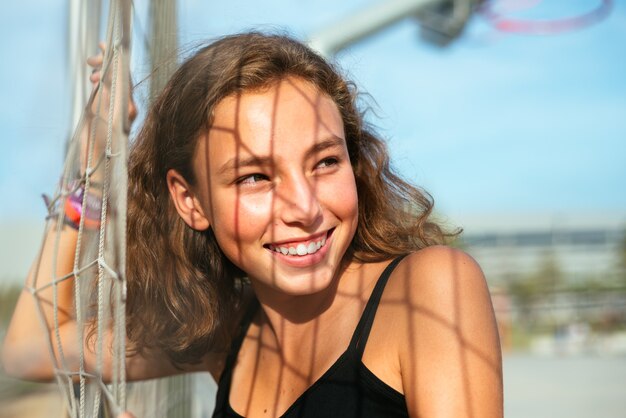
(270, 243)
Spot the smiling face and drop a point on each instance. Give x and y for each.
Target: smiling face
(274, 182)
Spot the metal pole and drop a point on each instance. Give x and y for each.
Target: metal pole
(164, 42)
(364, 23)
(82, 41)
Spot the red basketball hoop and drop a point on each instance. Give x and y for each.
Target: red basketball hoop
(501, 22)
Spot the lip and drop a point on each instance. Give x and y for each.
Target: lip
(303, 260)
(304, 240)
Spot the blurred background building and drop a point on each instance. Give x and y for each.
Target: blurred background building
(558, 282)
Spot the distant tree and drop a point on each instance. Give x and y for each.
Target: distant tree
(621, 257)
(549, 273)
(542, 285)
(524, 293)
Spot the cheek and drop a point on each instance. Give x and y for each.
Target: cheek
(352, 202)
(241, 219)
(342, 198)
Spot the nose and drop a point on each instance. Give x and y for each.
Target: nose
(299, 202)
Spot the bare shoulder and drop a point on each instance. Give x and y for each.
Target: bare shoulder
(440, 279)
(441, 261)
(450, 357)
(445, 293)
(445, 286)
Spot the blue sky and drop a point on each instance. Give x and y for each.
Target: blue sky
(494, 123)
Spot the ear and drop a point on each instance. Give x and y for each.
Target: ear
(185, 201)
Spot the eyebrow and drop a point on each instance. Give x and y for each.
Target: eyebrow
(252, 161)
(330, 142)
(236, 163)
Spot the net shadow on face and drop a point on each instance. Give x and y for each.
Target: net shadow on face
(265, 362)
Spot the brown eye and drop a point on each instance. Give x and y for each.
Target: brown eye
(328, 162)
(251, 179)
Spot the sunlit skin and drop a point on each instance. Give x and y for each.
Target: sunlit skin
(274, 172)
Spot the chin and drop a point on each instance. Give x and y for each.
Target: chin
(303, 284)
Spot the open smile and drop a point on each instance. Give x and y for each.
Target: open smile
(302, 248)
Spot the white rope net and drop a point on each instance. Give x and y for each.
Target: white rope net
(93, 277)
(96, 161)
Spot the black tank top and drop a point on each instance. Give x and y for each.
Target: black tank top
(347, 389)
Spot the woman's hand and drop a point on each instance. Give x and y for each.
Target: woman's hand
(96, 62)
(98, 123)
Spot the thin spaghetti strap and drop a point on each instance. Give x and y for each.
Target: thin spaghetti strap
(362, 331)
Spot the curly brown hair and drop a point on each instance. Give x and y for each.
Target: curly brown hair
(181, 287)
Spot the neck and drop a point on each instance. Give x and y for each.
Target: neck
(293, 317)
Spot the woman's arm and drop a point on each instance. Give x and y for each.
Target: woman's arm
(26, 349)
(25, 353)
(450, 359)
(42, 315)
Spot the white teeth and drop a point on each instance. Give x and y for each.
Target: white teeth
(300, 249)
